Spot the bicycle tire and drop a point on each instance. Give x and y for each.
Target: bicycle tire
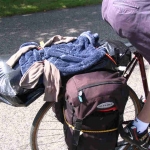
(45, 109)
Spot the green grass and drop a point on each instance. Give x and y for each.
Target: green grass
(15, 7)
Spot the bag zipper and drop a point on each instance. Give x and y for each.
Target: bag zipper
(80, 90)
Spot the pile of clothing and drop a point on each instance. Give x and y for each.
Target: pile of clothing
(59, 56)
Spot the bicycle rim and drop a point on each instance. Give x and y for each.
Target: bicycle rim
(131, 110)
(47, 131)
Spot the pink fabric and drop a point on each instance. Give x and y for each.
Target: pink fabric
(51, 79)
(58, 39)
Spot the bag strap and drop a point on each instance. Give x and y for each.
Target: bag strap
(76, 133)
(120, 127)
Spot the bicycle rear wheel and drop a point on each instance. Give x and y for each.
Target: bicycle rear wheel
(47, 131)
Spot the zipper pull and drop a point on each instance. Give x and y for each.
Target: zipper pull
(80, 96)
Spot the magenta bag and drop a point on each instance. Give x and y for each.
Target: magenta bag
(94, 103)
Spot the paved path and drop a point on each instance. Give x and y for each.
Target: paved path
(15, 123)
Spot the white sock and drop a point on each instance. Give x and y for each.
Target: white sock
(140, 125)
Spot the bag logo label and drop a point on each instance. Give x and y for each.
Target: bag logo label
(105, 105)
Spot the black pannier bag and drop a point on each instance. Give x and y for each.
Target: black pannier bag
(10, 91)
(94, 103)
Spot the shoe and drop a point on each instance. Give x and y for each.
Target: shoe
(141, 140)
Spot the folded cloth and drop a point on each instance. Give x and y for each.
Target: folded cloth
(51, 79)
(58, 39)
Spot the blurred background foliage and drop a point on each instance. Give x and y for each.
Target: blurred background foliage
(17, 7)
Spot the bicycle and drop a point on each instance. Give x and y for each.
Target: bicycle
(134, 104)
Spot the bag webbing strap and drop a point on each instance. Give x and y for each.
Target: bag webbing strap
(76, 133)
